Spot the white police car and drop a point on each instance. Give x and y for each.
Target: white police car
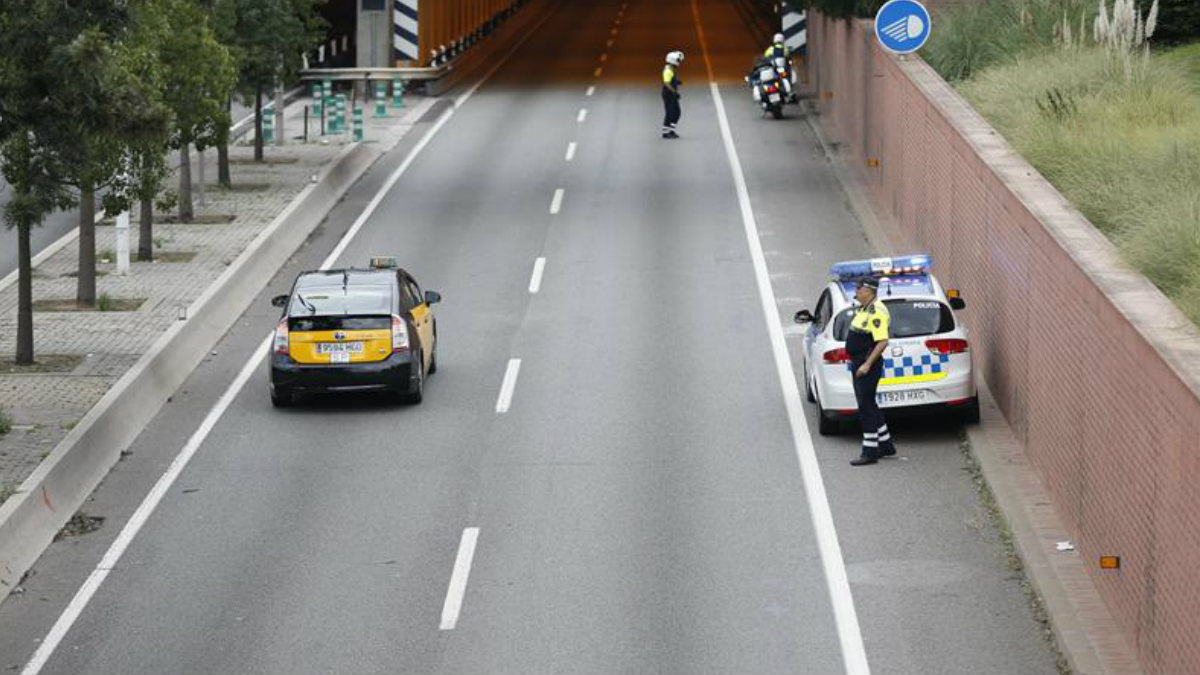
(927, 363)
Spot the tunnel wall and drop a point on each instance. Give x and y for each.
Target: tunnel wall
(1095, 370)
(421, 26)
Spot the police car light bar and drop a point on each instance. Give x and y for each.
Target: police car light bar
(908, 264)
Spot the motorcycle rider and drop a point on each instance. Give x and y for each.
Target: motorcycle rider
(779, 49)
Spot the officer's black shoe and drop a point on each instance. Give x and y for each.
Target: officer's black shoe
(863, 461)
(670, 134)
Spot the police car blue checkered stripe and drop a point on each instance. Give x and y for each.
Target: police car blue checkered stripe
(904, 367)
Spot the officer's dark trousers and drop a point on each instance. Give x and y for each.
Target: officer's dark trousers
(877, 440)
(671, 106)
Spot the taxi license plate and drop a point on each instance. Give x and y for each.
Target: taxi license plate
(915, 396)
(339, 352)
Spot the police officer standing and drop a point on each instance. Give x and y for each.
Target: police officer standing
(866, 342)
(670, 94)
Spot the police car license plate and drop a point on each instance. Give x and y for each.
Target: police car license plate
(774, 98)
(912, 396)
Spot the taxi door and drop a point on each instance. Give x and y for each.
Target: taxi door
(422, 318)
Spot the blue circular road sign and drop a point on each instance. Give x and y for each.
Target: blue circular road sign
(902, 26)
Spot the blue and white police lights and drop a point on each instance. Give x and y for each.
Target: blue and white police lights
(902, 26)
(908, 264)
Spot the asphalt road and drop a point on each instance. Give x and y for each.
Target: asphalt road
(639, 506)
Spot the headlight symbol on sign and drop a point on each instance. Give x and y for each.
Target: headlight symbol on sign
(902, 26)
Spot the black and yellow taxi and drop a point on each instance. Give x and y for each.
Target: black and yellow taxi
(354, 330)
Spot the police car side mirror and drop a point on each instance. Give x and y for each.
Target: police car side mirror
(279, 301)
(803, 316)
(432, 297)
(957, 303)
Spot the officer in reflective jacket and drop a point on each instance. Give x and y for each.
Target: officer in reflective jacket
(866, 342)
(670, 94)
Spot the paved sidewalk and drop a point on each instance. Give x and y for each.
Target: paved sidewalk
(82, 354)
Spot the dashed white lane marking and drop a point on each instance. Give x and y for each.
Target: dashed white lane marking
(597, 72)
(609, 43)
(535, 282)
(582, 115)
(591, 90)
(504, 402)
(854, 654)
(603, 57)
(458, 578)
(556, 202)
(571, 151)
(613, 32)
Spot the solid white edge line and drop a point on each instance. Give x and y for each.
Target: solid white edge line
(556, 202)
(535, 281)
(854, 654)
(570, 151)
(458, 578)
(582, 115)
(504, 402)
(591, 90)
(92, 584)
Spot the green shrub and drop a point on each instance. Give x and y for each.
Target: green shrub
(1178, 21)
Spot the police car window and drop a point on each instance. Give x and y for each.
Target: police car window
(910, 318)
(824, 310)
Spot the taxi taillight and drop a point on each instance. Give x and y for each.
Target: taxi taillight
(281, 338)
(839, 355)
(947, 346)
(399, 334)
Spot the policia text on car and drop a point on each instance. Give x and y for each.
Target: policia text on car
(866, 341)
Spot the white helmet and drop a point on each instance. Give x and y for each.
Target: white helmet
(778, 38)
(675, 58)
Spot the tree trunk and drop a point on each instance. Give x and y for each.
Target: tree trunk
(146, 231)
(223, 151)
(258, 140)
(185, 184)
(24, 355)
(85, 289)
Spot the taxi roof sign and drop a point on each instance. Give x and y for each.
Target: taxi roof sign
(384, 262)
(908, 264)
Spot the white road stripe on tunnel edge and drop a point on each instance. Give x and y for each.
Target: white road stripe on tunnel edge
(854, 654)
(591, 90)
(535, 281)
(135, 523)
(458, 578)
(556, 201)
(570, 151)
(504, 402)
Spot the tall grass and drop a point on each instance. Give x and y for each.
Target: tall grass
(1125, 152)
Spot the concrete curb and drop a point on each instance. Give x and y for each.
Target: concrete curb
(1085, 630)
(48, 498)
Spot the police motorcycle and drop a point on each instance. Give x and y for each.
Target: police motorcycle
(769, 87)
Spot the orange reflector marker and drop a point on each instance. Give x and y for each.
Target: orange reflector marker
(827, 94)
(872, 161)
(1110, 562)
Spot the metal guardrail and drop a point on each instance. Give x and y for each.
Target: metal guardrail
(374, 74)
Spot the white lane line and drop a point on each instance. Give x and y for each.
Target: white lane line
(504, 402)
(608, 44)
(854, 655)
(597, 72)
(603, 57)
(571, 151)
(582, 115)
(113, 555)
(613, 32)
(591, 90)
(458, 578)
(556, 202)
(535, 282)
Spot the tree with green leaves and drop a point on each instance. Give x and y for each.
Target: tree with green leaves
(269, 38)
(199, 73)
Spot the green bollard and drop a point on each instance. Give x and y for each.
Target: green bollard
(397, 93)
(380, 99)
(316, 92)
(268, 124)
(339, 117)
(358, 123)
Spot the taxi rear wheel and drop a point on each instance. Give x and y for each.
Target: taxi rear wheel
(282, 398)
(418, 388)
(433, 352)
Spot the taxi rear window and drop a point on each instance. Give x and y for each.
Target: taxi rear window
(910, 318)
(341, 302)
(318, 323)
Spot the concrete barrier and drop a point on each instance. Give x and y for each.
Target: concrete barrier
(1097, 372)
(49, 497)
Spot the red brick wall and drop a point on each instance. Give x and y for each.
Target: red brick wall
(1069, 339)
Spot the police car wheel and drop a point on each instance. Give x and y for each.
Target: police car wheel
(808, 392)
(826, 425)
(970, 412)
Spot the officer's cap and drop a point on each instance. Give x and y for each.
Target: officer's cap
(868, 282)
